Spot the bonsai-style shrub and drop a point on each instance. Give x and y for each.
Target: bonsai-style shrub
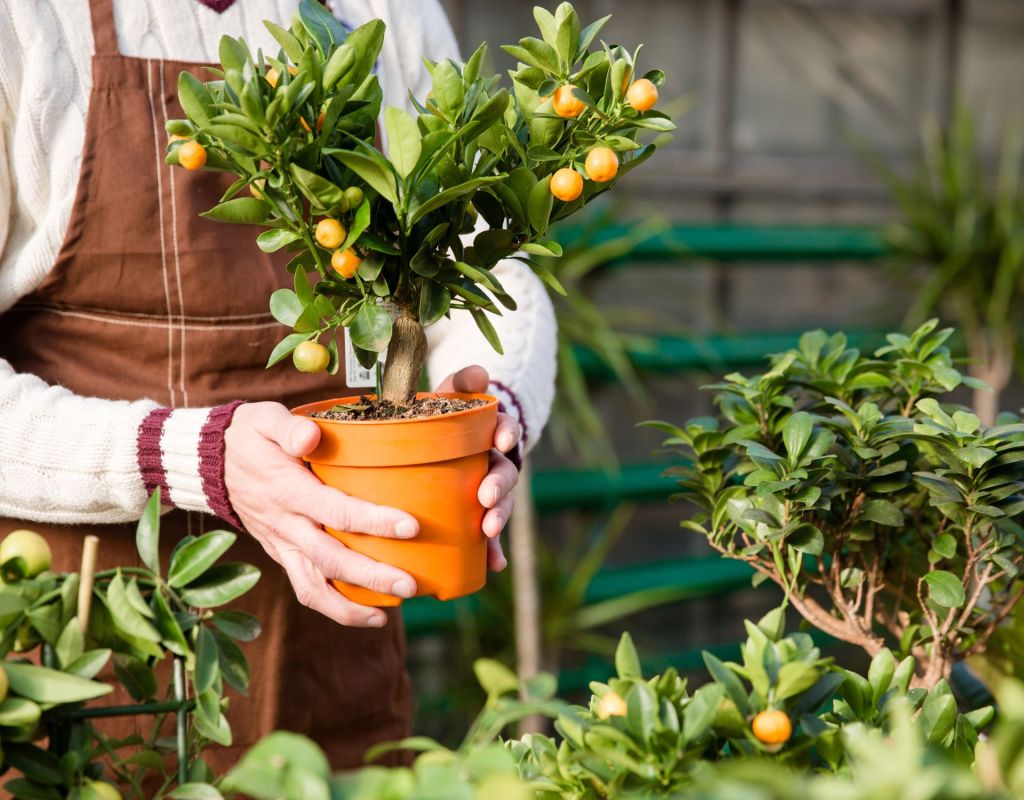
(886, 513)
(139, 619)
(396, 242)
(959, 243)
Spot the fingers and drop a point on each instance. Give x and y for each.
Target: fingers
(496, 519)
(507, 434)
(333, 560)
(313, 591)
(297, 436)
(343, 512)
(501, 479)
(496, 560)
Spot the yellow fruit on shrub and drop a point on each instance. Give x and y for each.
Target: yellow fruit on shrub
(567, 184)
(602, 164)
(101, 790)
(772, 727)
(330, 233)
(5, 684)
(24, 554)
(642, 95)
(192, 155)
(354, 196)
(273, 75)
(611, 705)
(345, 262)
(566, 104)
(311, 357)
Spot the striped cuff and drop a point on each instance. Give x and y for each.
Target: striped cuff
(181, 452)
(508, 403)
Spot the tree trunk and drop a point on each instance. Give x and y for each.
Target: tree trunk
(407, 354)
(992, 359)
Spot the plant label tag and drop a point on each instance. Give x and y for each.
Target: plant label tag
(356, 376)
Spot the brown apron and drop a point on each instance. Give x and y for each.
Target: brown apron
(148, 300)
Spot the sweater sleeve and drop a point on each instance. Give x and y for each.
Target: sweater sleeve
(524, 377)
(71, 459)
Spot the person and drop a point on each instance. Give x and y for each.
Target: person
(130, 328)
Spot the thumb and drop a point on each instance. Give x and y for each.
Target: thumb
(472, 380)
(296, 436)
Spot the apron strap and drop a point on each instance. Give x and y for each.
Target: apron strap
(104, 31)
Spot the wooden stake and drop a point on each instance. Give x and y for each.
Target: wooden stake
(526, 591)
(88, 574)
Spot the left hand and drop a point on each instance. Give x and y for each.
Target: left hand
(495, 492)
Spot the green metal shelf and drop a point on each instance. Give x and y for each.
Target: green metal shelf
(753, 243)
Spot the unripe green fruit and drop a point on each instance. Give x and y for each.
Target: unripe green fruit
(24, 554)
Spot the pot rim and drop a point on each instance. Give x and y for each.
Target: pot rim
(307, 409)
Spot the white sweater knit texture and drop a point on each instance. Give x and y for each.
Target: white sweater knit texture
(71, 459)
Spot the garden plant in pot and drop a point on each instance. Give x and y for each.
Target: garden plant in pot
(386, 245)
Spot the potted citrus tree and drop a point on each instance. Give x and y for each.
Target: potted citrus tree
(386, 245)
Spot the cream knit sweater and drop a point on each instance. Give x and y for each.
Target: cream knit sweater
(71, 459)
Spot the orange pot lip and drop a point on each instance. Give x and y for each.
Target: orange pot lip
(322, 405)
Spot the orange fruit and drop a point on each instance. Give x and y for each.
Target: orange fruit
(567, 184)
(192, 155)
(642, 95)
(772, 727)
(330, 233)
(602, 164)
(345, 262)
(311, 357)
(611, 705)
(273, 75)
(566, 104)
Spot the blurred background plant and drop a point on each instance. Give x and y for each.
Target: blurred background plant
(961, 244)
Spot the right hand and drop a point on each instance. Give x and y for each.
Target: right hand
(283, 505)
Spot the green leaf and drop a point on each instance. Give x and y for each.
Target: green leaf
(232, 53)
(807, 539)
(45, 685)
(195, 98)
(273, 240)
(291, 46)
(234, 667)
(701, 710)
(449, 195)
(125, 616)
(372, 328)
(435, 300)
(339, 65)
(627, 662)
(147, 534)
(322, 26)
(196, 557)
(539, 205)
(237, 624)
(138, 678)
(89, 664)
(404, 143)
(880, 673)
(316, 189)
(17, 712)
(220, 584)
(375, 173)
(286, 307)
(284, 348)
(243, 210)
(487, 329)
(945, 545)
(884, 512)
(495, 678)
(795, 677)
(796, 433)
(207, 660)
(945, 588)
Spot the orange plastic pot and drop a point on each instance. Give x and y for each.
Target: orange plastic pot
(431, 468)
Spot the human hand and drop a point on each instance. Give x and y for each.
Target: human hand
(283, 505)
(495, 492)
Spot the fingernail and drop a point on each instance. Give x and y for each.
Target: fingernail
(496, 496)
(376, 621)
(405, 529)
(403, 588)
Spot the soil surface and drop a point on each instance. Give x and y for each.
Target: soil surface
(368, 409)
